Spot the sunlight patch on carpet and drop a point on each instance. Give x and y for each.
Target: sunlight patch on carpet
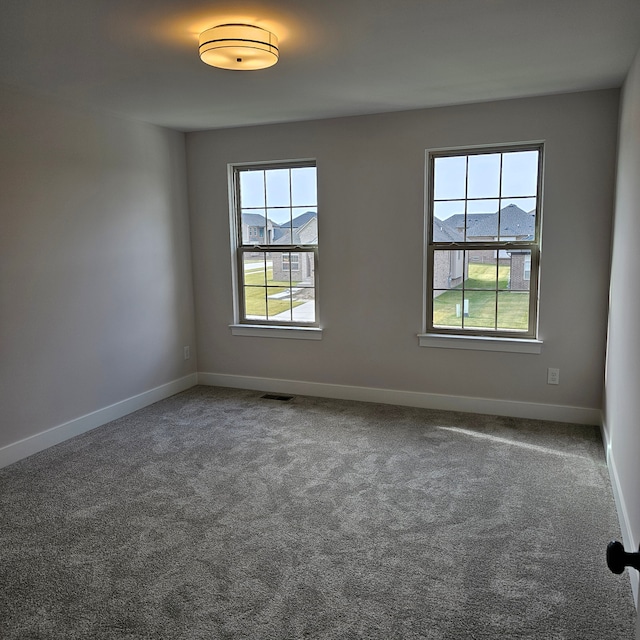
(524, 445)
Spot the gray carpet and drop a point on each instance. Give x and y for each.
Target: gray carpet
(217, 514)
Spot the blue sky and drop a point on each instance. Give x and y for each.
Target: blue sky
(519, 182)
(280, 194)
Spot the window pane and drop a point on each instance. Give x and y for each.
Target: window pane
(303, 187)
(449, 229)
(291, 266)
(280, 222)
(305, 226)
(448, 221)
(482, 226)
(252, 189)
(448, 308)
(254, 227)
(280, 216)
(294, 303)
(520, 173)
(516, 223)
(278, 188)
(447, 208)
(295, 267)
(278, 275)
(279, 286)
(481, 269)
(255, 305)
(307, 270)
(254, 268)
(291, 287)
(489, 206)
(304, 305)
(279, 306)
(481, 310)
(526, 204)
(519, 270)
(513, 310)
(447, 269)
(484, 176)
(449, 177)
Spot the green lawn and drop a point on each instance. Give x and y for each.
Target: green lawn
(254, 295)
(513, 306)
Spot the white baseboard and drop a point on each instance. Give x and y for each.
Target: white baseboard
(628, 539)
(23, 448)
(532, 410)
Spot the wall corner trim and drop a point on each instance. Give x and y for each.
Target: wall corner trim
(531, 410)
(38, 442)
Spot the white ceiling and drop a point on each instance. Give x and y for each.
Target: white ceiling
(139, 58)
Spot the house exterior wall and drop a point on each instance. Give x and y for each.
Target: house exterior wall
(487, 256)
(517, 280)
(304, 272)
(256, 234)
(441, 271)
(448, 271)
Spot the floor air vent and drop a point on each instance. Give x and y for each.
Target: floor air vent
(276, 396)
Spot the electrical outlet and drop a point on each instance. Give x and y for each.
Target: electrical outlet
(187, 353)
(553, 376)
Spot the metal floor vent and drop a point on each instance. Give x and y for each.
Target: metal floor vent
(275, 396)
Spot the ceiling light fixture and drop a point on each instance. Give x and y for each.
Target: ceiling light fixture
(238, 46)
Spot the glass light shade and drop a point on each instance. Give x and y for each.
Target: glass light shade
(238, 46)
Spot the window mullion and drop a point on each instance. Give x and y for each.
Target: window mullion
(290, 286)
(466, 205)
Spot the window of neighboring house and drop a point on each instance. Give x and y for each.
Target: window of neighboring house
(277, 274)
(291, 262)
(484, 204)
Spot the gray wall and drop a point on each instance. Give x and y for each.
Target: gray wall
(370, 193)
(622, 406)
(95, 279)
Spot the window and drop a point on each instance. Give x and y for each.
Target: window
(276, 243)
(483, 241)
(291, 262)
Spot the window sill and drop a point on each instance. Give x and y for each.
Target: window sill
(273, 331)
(480, 343)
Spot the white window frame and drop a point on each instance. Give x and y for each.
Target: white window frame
(243, 325)
(492, 339)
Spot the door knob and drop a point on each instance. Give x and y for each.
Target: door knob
(618, 558)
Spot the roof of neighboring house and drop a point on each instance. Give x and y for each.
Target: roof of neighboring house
(253, 219)
(302, 230)
(306, 233)
(442, 232)
(513, 222)
(279, 231)
(303, 218)
(278, 234)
